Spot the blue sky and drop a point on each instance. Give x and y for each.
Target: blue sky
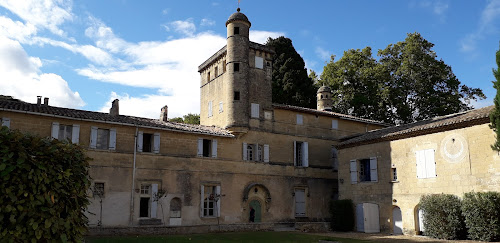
(84, 54)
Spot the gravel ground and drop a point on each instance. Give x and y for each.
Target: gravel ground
(392, 238)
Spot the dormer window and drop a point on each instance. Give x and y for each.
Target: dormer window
(236, 30)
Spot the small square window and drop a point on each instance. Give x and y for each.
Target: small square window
(236, 95)
(236, 30)
(236, 67)
(98, 189)
(145, 189)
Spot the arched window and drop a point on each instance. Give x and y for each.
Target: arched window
(175, 207)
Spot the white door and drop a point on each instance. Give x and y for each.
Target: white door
(420, 215)
(372, 221)
(360, 218)
(397, 221)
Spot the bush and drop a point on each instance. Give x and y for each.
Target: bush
(482, 215)
(443, 216)
(342, 215)
(43, 189)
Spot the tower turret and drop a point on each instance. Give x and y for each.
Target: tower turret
(324, 95)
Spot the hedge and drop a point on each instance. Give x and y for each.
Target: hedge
(43, 189)
(482, 215)
(342, 215)
(443, 216)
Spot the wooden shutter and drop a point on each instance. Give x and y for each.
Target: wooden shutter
(300, 203)
(156, 143)
(154, 204)
(93, 137)
(217, 194)
(202, 197)
(295, 153)
(214, 148)
(140, 141)
(266, 153)
(421, 171)
(305, 154)
(55, 130)
(245, 151)
(255, 110)
(354, 171)
(6, 122)
(75, 134)
(373, 169)
(209, 108)
(200, 147)
(430, 163)
(112, 139)
(335, 124)
(300, 120)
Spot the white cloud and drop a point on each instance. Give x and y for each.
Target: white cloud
(207, 22)
(260, 36)
(47, 14)
(165, 11)
(322, 53)
(185, 27)
(440, 7)
(21, 78)
(487, 25)
(15, 29)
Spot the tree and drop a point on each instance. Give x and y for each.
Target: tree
(495, 113)
(421, 86)
(290, 82)
(188, 119)
(358, 83)
(176, 119)
(43, 189)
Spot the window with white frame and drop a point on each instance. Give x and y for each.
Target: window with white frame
(66, 132)
(5, 121)
(363, 170)
(256, 152)
(300, 119)
(147, 204)
(210, 109)
(210, 201)
(426, 165)
(207, 147)
(301, 154)
(148, 142)
(102, 138)
(255, 110)
(259, 62)
(300, 202)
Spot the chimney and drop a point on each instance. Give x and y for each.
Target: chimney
(164, 114)
(46, 101)
(115, 110)
(38, 100)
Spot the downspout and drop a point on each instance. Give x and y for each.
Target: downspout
(131, 221)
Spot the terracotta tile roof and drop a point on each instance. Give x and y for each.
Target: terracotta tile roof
(328, 113)
(23, 107)
(437, 124)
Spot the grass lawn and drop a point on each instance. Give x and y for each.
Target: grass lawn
(273, 237)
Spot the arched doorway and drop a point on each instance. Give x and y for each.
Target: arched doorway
(397, 221)
(256, 210)
(419, 218)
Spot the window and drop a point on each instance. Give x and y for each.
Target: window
(236, 95)
(394, 174)
(208, 76)
(426, 165)
(221, 107)
(236, 30)
(335, 124)
(65, 132)
(363, 170)
(5, 121)
(224, 66)
(236, 67)
(300, 119)
(148, 142)
(147, 205)
(210, 201)
(255, 110)
(300, 202)
(216, 72)
(210, 109)
(207, 148)
(256, 152)
(335, 159)
(301, 154)
(103, 138)
(98, 189)
(268, 115)
(259, 62)
(175, 207)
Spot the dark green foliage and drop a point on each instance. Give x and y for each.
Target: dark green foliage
(443, 216)
(482, 215)
(290, 84)
(189, 119)
(342, 215)
(43, 189)
(495, 113)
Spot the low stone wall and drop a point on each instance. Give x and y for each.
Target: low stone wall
(199, 229)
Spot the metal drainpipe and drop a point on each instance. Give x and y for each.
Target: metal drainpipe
(131, 222)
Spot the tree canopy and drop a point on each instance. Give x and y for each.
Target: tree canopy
(495, 113)
(189, 119)
(290, 82)
(407, 84)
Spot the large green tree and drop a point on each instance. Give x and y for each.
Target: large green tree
(495, 113)
(290, 82)
(189, 119)
(359, 85)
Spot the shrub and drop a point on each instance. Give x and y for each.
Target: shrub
(342, 215)
(43, 189)
(482, 215)
(443, 216)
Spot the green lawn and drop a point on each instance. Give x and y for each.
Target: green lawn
(273, 237)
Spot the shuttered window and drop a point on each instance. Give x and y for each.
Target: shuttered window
(426, 165)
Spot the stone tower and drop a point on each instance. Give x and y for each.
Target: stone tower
(324, 95)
